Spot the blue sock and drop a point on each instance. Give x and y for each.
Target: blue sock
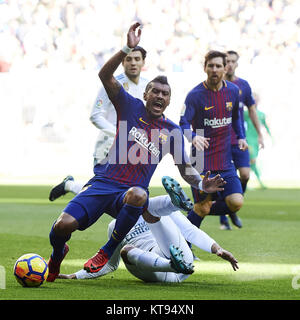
(219, 208)
(223, 219)
(244, 185)
(126, 219)
(194, 218)
(58, 244)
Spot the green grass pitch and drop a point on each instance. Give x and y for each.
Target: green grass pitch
(267, 248)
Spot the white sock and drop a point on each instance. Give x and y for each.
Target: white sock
(73, 186)
(148, 261)
(161, 206)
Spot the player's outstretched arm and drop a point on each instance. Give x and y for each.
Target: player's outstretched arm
(111, 85)
(226, 255)
(200, 239)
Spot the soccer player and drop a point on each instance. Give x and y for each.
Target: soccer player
(212, 108)
(240, 157)
(146, 248)
(120, 185)
(104, 116)
(252, 138)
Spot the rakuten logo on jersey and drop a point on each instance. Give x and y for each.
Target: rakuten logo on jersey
(217, 123)
(142, 139)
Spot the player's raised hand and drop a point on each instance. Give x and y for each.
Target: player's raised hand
(211, 185)
(134, 35)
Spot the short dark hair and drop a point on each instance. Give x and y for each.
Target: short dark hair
(215, 54)
(142, 51)
(159, 79)
(233, 52)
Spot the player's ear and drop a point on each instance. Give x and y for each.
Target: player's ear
(145, 96)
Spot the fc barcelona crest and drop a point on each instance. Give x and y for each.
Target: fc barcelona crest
(162, 138)
(228, 106)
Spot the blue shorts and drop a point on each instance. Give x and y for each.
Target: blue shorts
(241, 159)
(98, 198)
(233, 185)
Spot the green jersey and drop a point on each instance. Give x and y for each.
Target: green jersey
(251, 133)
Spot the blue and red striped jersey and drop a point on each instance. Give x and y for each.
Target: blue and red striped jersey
(140, 144)
(246, 99)
(215, 112)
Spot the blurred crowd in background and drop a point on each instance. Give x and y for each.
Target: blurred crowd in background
(51, 51)
(177, 33)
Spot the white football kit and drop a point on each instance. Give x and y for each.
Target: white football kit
(104, 116)
(173, 228)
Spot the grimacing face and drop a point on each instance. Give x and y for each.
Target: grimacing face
(215, 70)
(133, 64)
(157, 99)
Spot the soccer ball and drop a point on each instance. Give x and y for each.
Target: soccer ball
(31, 270)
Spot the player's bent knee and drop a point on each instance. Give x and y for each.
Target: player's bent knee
(65, 224)
(202, 209)
(235, 202)
(124, 251)
(136, 196)
(244, 177)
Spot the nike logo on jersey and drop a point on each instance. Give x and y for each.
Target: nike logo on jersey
(208, 108)
(141, 119)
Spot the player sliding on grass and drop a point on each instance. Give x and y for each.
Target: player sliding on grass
(120, 185)
(155, 249)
